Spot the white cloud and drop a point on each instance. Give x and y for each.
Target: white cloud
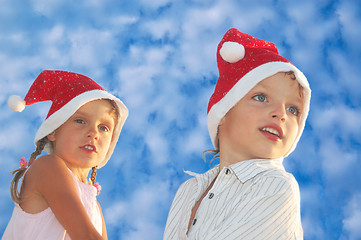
(336, 161)
(123, 20)
(310, 211)
(158, 146)
(154, 4)
(339, 120)
(167, 86)
(91, 48)
(352, 221)
(346, 71)
(349, 16)
(47, 7)
(161, 28)
(139, 211)
(14, 135)
(249, 17)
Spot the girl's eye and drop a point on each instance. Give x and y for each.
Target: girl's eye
(293, 110)
(260, 98)
(104, 128)
(81, 121)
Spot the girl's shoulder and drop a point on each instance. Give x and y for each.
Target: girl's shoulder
(49, 162)
(47, 167)
(44, 174)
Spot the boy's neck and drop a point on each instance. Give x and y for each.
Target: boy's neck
(225, 162)
(230, 158)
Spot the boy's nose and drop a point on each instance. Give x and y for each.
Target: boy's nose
(279, 112)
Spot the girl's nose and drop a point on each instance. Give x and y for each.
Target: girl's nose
(93, 133)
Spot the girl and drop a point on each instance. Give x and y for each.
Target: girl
(56, 201)
(256, 116)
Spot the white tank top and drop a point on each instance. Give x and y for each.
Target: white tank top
(44, 225)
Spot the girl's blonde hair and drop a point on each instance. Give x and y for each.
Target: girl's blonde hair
(19, 173)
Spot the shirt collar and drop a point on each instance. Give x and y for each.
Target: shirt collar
(248, 169)
(210, 173)
(244, 170)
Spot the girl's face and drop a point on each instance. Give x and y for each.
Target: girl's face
(84, 139)
(265, 122)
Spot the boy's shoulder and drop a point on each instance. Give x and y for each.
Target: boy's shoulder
(278, 178)
(279, 173)
(188, 183)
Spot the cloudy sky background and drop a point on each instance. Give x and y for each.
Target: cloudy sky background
(159, 57)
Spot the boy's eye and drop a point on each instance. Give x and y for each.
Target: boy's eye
(293, 110)
(260, 98)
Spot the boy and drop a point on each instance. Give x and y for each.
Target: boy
(256, 116)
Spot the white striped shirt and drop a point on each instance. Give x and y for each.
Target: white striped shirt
(253, 199)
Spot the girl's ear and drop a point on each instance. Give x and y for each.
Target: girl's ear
(51, 137)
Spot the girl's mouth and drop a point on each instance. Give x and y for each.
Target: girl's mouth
(89, 148)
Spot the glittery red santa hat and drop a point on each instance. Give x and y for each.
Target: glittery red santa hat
(243, 61)
(68, 92)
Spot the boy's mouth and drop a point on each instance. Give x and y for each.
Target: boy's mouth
(272, 131)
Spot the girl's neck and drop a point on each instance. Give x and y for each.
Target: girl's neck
(80, 173)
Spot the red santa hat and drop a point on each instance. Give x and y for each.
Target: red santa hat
(243, 61)
(68, 92)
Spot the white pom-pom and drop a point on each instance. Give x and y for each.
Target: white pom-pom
(232, 52)
(16, 103)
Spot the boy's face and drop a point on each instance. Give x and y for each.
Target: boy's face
(84, 139)
(265, 122)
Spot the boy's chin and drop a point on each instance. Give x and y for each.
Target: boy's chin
(272, 155)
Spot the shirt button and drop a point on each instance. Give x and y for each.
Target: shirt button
(211, 195)
(228, 171)
(194, 221)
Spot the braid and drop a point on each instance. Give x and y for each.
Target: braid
(93, 174)
(39, 148)
(19, 173)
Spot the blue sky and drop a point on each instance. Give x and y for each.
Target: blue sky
(159, 57)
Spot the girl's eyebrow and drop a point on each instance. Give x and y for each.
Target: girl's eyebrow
(108, 119)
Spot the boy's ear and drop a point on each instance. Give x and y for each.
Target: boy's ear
(51, 137)
(222, 121)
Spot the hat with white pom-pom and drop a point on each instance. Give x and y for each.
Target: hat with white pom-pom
(68, 92)
(243, 61)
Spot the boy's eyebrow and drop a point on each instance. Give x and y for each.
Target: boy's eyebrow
(261, 87)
